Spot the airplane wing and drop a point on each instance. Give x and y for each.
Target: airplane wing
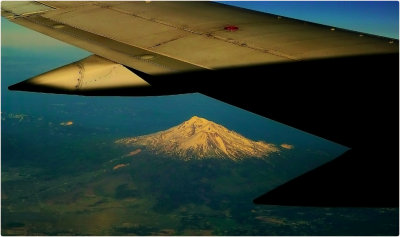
(188, 36)
(338, 84)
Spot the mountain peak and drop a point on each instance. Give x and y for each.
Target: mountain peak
(201, 138)
(196, 118)
(198, 121)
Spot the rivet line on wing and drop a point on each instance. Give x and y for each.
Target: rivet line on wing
(82, 38)
(207, 34)
(81, 73)
(127, 44)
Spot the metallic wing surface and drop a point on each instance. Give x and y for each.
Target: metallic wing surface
(321, 79)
